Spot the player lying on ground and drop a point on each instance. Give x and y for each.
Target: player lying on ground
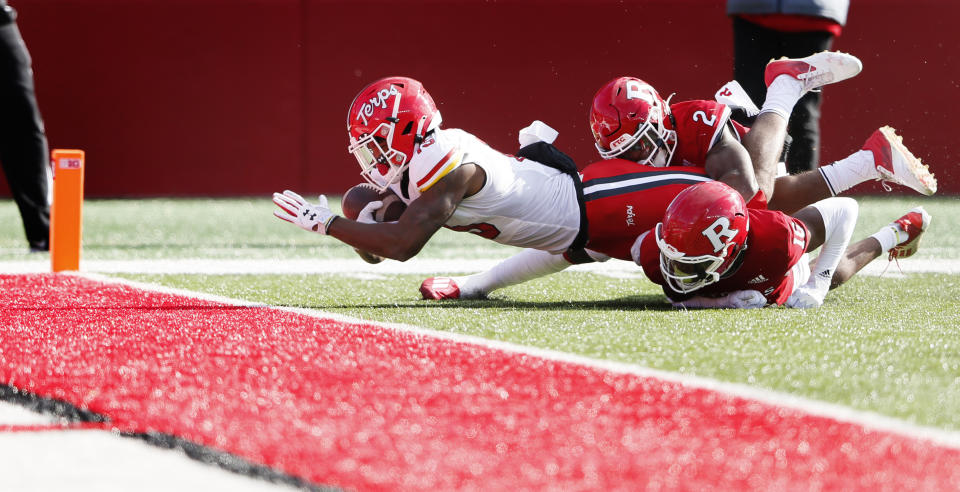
(712, 251)
(700, 136)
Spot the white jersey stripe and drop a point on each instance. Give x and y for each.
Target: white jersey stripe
(644, 180)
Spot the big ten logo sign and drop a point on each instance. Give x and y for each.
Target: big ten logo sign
(70, 163)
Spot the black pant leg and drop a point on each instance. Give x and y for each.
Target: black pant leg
(804, 125)
(23, 142)
(753, 47)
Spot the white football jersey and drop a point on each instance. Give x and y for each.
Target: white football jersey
(522, 203)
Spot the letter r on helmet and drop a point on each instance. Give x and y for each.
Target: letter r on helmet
(720, 228)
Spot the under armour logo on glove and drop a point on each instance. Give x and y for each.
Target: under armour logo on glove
(310, 217)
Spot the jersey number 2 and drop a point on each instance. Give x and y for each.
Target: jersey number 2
(703, 116)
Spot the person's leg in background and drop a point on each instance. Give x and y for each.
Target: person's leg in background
(753, 47)
(23, 142)
(804, 124)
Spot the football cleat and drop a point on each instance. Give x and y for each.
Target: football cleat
(897, 164)
(814, 71)
(912, 224)
(440, 288)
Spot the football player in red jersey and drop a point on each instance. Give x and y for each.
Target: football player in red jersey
(629, 120)
(712, 251)
(692, 141)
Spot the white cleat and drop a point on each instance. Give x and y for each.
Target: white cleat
(815, 71)
(897, 164)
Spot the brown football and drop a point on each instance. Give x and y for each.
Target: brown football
(360, 195)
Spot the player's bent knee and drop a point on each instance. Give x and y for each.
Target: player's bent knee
(838, 212)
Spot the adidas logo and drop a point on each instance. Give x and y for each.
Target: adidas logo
(826, 274)
(759, 279)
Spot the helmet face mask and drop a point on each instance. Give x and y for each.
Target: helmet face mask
(385, 123)
(689, 273)
(628, 112)
(380, 164)
(702, 236)
(645, 147)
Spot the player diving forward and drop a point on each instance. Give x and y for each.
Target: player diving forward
(447, 177)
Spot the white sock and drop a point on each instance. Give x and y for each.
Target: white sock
(839, 219)
(521, 267)
(849, 171)
(889, 236)
(782, 95)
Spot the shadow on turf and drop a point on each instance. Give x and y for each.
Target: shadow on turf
(628, 303)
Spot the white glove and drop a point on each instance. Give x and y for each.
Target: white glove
(733, 95)
(366, 215)
(805, 297)
(746, 299)
(538, 131)
(741, 299)
(310, 217)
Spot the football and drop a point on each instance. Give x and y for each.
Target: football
(360, 195)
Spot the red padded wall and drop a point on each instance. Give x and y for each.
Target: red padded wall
(244, 97)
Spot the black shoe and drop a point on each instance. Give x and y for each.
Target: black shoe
(42, 247)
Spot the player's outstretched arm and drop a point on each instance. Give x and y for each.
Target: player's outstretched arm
(728, 161)
(403, 239)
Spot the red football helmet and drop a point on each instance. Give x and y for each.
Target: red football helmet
(387, 119)
(628, 115)
(703, 232)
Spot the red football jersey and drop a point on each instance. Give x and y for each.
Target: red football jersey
(624, 199)
(698, 125)
(775, 243)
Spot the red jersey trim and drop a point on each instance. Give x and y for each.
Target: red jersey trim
(436, 168)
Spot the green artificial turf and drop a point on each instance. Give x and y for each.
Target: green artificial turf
(885, 344)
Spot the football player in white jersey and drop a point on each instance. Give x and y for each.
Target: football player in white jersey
(447, 177)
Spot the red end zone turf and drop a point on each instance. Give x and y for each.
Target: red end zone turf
(366, 407)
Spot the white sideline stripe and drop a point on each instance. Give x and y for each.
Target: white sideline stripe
(866, 419)
(98, 460)
(11, 414)
(612, 268)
